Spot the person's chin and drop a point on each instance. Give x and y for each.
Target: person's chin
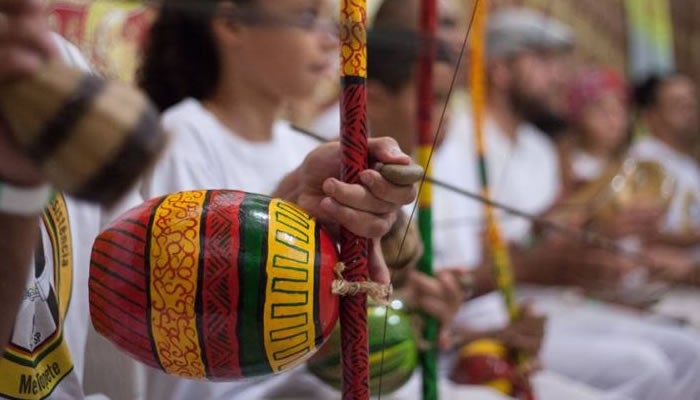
(320, 69)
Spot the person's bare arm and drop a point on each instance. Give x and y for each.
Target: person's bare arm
(537, 266)
(18, 235)
(17, 240)
(524, 334)
(25, 43)
(565, 262)
(686, 240)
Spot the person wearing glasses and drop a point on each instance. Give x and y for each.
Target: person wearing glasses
(44, 318)
(222, 72)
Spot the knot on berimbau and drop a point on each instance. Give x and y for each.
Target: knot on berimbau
(377, 292)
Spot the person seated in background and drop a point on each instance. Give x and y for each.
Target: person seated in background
(392, 110)
(612, 349)
(668, 109)
(605, 185)
(227, 133)
(390, 15)
(599, 120)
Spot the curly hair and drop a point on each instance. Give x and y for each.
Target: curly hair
(181, 58)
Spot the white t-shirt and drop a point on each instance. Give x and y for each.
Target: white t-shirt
(684, 212)
(45, 356)
(585, 166)
(206, 155)
(327, 122)
(523, 173)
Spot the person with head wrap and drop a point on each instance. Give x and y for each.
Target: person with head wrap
(620, 353)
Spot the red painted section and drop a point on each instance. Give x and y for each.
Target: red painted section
(354, 250)
(118, 300)
(220, 285)
(328, 302)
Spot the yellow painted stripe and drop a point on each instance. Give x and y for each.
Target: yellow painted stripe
(288, 327)
(174, 253)
(484, 347)
(353, 38)
(426, 194)
(501, 385)
(57, 222)
(38, 381)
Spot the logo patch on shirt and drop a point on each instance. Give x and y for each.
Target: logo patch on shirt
(37, 358)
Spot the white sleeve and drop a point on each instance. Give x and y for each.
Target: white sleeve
(128, 201)
(96, 397)
(554, 178)
(70, 53)
(181, 167)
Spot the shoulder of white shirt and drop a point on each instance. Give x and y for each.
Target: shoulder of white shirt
(70, 53)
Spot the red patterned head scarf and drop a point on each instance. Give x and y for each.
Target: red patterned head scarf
(591, 86)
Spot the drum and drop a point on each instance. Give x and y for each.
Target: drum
(216, 285)
(92, 138)
(393, 357)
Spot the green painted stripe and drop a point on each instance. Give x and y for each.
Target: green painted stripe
(483, 174)
(399, 363)
(425, 226)
(318, 327)
(395, 355)
(252, 278)
(199, 301)
(38, 358)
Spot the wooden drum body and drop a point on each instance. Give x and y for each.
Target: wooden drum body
(397, 350)
(486, 362)
(91, 138)
(216, 285)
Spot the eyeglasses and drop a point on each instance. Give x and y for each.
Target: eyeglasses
(307, 21)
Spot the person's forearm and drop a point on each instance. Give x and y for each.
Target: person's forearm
(528, 267)
(680, 240)
(18, 238)
(538, 265)
(464, 336)
(484, 280)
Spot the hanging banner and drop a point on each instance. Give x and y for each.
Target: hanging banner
(650, 42)
(109, 33)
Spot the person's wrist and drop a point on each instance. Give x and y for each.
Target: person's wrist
(16, 199)
(22, 182)
(467, 282)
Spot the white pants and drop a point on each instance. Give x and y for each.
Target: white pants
(625, 354)
(299, 384)
(619, 352)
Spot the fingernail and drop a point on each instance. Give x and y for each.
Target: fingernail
(329, 187)
(367, 179)
(329, 205)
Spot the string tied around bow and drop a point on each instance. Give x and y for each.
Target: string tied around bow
(378, 292)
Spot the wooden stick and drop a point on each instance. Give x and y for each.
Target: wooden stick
(354, 250)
